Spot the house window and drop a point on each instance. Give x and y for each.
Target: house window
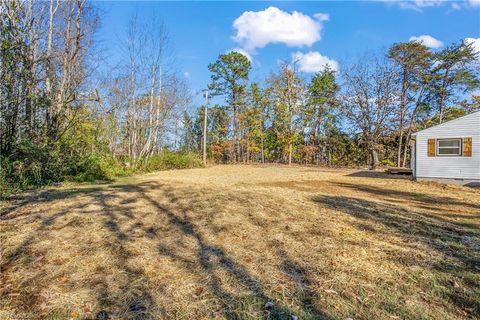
(449, 147)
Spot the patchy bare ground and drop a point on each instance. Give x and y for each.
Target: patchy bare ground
(221, 242)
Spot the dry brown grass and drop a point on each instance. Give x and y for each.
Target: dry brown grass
(221, 242)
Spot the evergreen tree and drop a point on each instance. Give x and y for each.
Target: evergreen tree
(229, 76)
(322, 103)
(413, 60)
(454, 71)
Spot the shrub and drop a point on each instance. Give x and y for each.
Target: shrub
(168, 160)
(17, 175)
(34, 166)
(117, 168)
(26, 168)
(387, 163)
(88, 168)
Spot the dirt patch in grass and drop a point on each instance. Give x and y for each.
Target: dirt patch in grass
(243, 242)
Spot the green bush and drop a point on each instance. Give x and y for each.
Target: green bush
(116, 168)
(168, 160)
(387, 163)
(29, 167)
(34, 166)
(88, 168)
(18, 175)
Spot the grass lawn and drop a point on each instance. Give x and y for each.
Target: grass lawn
(223, 241)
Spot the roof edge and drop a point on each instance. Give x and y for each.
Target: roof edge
(441, 124)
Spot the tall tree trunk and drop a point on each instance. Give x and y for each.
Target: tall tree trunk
(175, 134)
(149, 130)
(405, 150)
(131, 112)
(441, 106)
(290, 154)
(48, 67)
(236, 145)
(403, 102)
(375, 160)
(59, 104)
(31, 68)
(412, 122)
(158, 113)
(262, 149)
(290, 129)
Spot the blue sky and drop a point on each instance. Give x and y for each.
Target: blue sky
(274, 31)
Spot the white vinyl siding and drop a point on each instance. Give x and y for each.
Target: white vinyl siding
(450, 166)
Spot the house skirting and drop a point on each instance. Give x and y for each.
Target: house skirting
(461, 182)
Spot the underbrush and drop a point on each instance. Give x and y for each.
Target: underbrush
(168, 160)
(36, 167)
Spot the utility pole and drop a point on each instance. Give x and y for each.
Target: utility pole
(205, 129)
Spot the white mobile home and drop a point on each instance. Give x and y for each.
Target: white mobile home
(449, 152)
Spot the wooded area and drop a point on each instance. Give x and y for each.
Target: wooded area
(62, 118)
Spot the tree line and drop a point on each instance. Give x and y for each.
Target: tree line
(64, 116)
(366, 113)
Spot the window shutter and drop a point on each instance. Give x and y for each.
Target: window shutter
(431, 147)
(467, 147)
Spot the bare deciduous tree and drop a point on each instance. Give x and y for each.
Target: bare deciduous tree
(369, 99)
(149, 87)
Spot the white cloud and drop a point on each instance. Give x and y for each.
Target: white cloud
(469, 4)
(417, 5)
(322, 16)
(475, 42)
(456, 6)
(427, 41)
(474, 3)
(186, 74)
(313, 61)
(245, 53)
(257, 29)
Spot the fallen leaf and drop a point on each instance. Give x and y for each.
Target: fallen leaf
(199, 291)
(331, 291)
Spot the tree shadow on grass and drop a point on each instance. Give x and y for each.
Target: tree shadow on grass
(304, 291)
(419, 198)
(15, 202)
(136, 301)
(45, 224)
(439, 208)
(23, 254)
(211, 258)
(133, 297)
(459, 246)
(379, 175)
